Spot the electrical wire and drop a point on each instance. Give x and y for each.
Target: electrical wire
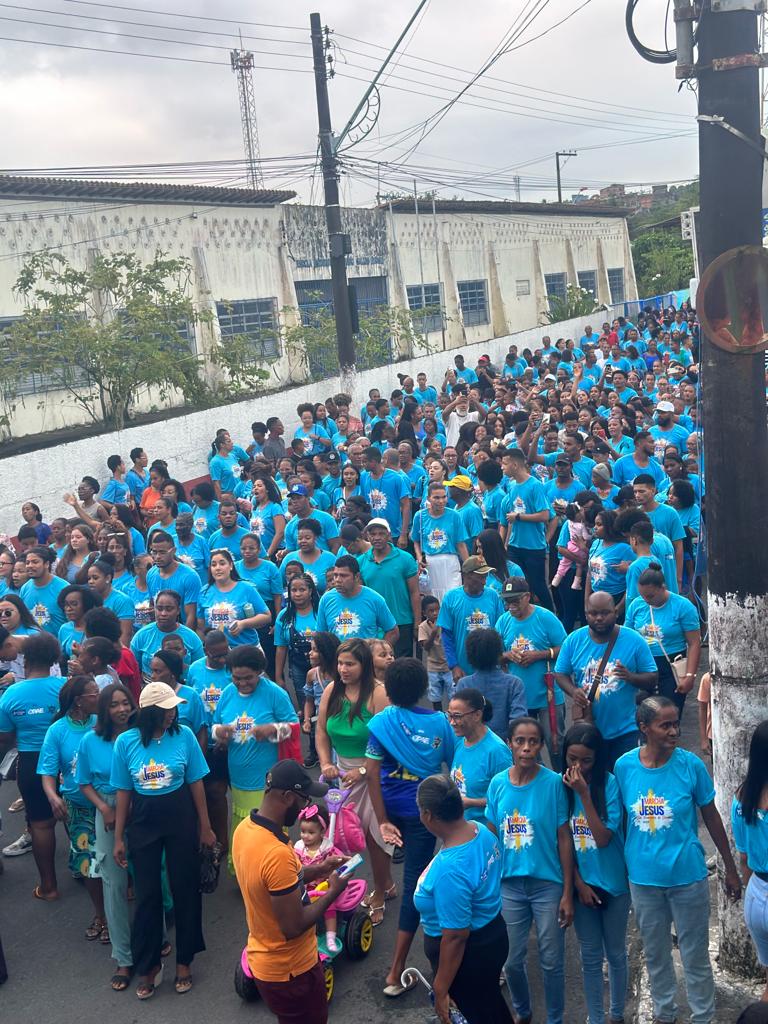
(193, 17)
(665, 56)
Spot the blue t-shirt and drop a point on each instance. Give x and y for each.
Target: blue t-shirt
(556, 493)
(365, 615)
(209, 683)
(474, 766)
(192, 714)
(219, 609)
(493, 581)
(162, 767)
(542, 629)
(667, 522)
(411, 744)
(675, 437)
(305, 626)
(601, 866)
(384, 496)
(115, 492)
(137, 484)
(27, 708)
(226, 469)
(149, 640)
(527, 497)
(614, 705)
(184, 581)
(262, 523)
(328, 526)
(250, 759)
(42, 604)
(491, 502)
(439, 536)
(143, 606)
(196, 555)
(582, 470)
(230, 541)
(120, 604)
(751, 839)
(626, 469)
(311, 446)
(461, 887)
(471, 521)
(603, 560)
(526, 819)
(206, 520)
(59, 753)
(94, 763)
(662, 847)
(666, 625)
(460, 614)
(318, 569)
(265, 577)
(68, 635)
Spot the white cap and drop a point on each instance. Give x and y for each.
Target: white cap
(159, 695)
(665, 406)
(378, 521)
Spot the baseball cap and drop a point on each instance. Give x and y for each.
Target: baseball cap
(330, 457)
(378, 521)
(475, 563)
(550, 376)
(602, 471)
(515, 586)
(159, 695)
(563, 460)
(462, 483)
(299, 489)
(665, 406)
(288, 774)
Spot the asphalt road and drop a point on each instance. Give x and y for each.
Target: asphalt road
(56, 975)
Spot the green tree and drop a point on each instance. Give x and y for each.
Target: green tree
(106, 332)
(663, 262)
(577, 302)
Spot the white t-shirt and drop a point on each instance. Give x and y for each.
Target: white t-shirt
(455, 422)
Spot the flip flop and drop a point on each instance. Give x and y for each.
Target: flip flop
(398, 989)
(389, 894)
(147, 989)
(38, 893)
(376, 910)
(104, 938)
(182, 983)
(120, 982)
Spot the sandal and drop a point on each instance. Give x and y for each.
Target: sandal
(147, 988)
(165, 949)
(38, 893)
(389, 894)
(120, 982)
(182, 983)
(17, 805)
(376, 914)
(94, 929)
(104, 935)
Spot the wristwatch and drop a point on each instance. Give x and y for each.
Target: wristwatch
(363, 770)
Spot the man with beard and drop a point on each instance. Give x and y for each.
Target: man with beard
(667, 432)
(282, 940)
(601, 667)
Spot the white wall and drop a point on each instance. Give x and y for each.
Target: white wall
(44, 476)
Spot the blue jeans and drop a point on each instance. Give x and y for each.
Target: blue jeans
(524, 900)
(602, 934)
(419, 848)
(688, 906)
(756, 916)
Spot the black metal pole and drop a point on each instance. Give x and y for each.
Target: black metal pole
(735, 434)
(336, 238)
(559, 188)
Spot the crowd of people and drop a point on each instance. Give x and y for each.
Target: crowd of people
(478, 600)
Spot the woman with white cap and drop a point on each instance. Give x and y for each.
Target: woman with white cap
(157, 773)
(603, 486)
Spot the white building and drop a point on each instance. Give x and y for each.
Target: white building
(489, 265)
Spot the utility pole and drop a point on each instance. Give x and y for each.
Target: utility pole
(734, 406)
(565, 153)
(339, 242)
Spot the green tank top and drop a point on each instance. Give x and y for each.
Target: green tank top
(348, 739)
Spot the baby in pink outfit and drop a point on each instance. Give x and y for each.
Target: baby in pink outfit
(313, 847)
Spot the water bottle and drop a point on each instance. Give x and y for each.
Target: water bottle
(248, 610)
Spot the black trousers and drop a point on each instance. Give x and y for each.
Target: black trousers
(165, 824)
(668, 682)
(404, 645)
(533, 562)
(475, 989)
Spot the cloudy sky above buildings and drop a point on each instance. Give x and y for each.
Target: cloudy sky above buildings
(579, 86)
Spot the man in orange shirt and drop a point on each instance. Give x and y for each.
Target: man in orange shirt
(282, 942)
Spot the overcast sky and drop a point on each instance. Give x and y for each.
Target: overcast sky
(581, 86)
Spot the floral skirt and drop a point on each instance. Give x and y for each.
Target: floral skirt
(81, 827)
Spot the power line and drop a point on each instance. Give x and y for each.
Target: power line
(192, 17)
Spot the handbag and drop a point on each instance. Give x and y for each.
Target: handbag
(679, 664)
(580, 714)
(210, 866)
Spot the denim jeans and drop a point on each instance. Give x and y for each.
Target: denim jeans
(756, 916)
(602, 934)
(523, 901)
(419, 848)
(688, 906)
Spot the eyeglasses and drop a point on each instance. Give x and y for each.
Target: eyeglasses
(7, 613)
(456, 716)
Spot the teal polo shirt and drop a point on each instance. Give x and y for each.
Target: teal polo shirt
(388, 578)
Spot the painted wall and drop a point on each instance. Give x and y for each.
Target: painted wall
(260, 253)
(44, 476)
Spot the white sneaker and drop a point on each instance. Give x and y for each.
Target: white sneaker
(22, 845)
